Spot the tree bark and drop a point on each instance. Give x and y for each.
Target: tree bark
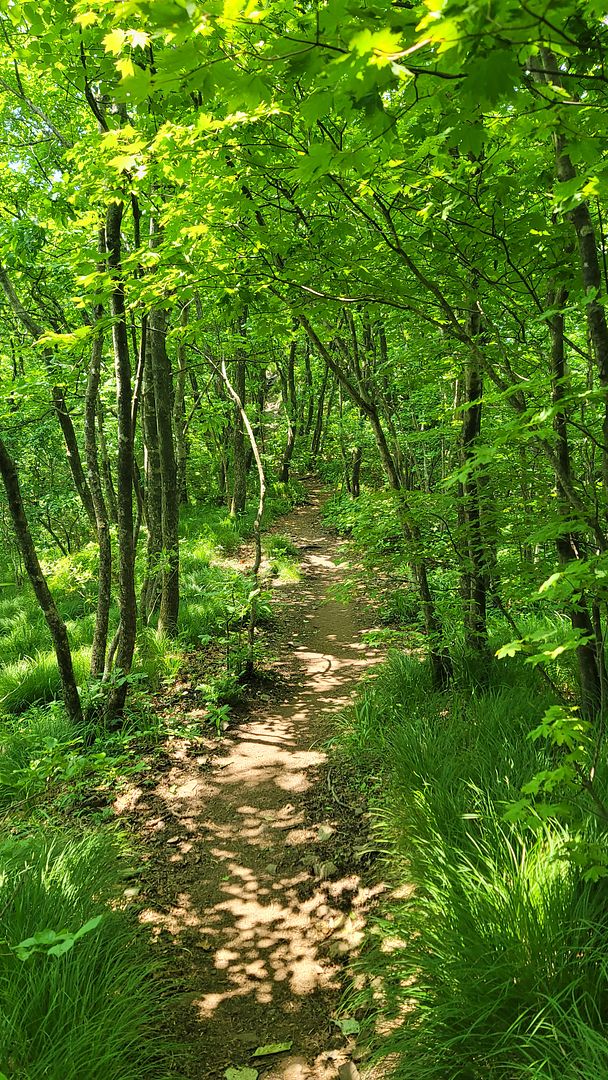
(179, 418)
(161, 367)
(151, 587)
(106, 468)
(567, 547)
(239, 459)
(39, 584)
(102, 522)
(126, 551)
(290, 405)
(474, 570)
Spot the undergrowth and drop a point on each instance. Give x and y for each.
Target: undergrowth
(488, 961)
(492, 963)
(79, 994)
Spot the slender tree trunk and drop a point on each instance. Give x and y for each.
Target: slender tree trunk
(161, 366)
(567, 547)
(356, 461)
(73, 452)
(346, 465)
(39, 584)
(474, 571)
(290, 406)
(589, 261)
(239, 461)
(126, 551)
(102, 523)
(318, 431)
(151, 587)
(308, 401)
(328, 411)
(257, 524)
(179, 418)
(106, 468)
(441, 665)
(58, 398)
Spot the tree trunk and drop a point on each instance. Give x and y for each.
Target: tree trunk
(179, 418)
(126, 551)
(308, 400)
(102, 523)
(290, 404)
(39, 584)
(589, 261)
(106, 468)
(151, 587)
(239, 461)
(318, 431)
(161, 367)
(257, 524)
(567, 547)
(441, 665)
(355, 483)
(58, 398)
(474, 572)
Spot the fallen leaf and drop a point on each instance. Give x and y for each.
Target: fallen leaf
(241, 1073)
(273, 1048)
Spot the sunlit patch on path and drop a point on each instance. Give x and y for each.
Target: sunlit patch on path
(248, 915)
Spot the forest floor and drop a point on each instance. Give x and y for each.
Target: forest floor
(257, 869)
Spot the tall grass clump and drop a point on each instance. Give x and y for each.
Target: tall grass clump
(92, 1010)
(35, 680)
(493, 964)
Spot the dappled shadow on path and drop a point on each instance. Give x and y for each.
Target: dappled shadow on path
(244, 898)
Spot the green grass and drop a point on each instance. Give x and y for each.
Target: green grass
(93, 1012)
(495, 965)
(34, 680)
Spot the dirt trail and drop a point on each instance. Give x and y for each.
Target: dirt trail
(254, 910)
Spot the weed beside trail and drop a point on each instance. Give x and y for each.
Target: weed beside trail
(79, 995)
(494, 966)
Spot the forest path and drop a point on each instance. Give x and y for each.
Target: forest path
(247, 894)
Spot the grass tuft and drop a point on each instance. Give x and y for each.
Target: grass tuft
(94, 1011)
(494, 965)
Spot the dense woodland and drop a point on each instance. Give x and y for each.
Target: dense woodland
(244, 243)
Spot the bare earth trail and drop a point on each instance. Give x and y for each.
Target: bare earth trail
(244, 895)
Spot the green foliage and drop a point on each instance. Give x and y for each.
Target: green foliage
(494, 961)
(276, 544)
(79, 994)
(156, 657)
(31, 681)
(45, 765)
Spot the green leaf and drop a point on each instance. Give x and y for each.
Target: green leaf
(242, 1072)
(114, 41)
(349, 1027)
(273, 1048)
(510, 649)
